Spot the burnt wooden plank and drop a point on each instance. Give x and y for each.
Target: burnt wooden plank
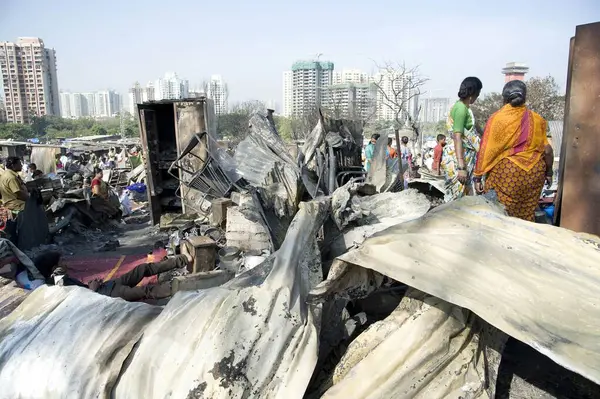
(580, 210)
(149, 139)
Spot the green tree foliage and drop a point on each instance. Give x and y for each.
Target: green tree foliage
(284, 127)
(485, 106)
(543, 97)
(233, 126)
(55, 127)
(440, 127)
(16, 131)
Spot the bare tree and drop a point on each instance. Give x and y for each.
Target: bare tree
(234, 124)
(333, 105)
(365, 107)
(205, 87)
(248, 107)
(397, 87)
(302, 125)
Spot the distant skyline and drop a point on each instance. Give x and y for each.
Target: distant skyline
(113, 44)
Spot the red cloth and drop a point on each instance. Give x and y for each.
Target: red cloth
(437, 157)
(96, 182)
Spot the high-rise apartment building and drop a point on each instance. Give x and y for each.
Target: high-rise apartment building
(218, 92)
(171, 87)
(288, 87)
(350, 76)
(101, 104)
(29, 79)
(433, 110)
(309, 82)
(351, 100)
(108, 104)
(138, 95)
(395, 95)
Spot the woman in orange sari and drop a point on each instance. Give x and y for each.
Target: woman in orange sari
(515, 154)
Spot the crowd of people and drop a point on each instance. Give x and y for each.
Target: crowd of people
(85, 171)
(511, 156)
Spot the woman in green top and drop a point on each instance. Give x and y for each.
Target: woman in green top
(458, 160)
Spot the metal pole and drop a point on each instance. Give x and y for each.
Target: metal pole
(398, 149)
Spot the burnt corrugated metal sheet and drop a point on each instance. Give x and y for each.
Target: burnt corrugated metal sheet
(10, 297)
(556, 132)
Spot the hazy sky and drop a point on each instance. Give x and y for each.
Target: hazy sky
(113, 43)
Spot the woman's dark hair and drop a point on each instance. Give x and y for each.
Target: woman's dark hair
(404, 139)
(514, 93)
(376, 136)
(97, 171)
(469, 87)
(32, 166)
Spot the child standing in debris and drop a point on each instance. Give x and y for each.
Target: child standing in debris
(437, 154)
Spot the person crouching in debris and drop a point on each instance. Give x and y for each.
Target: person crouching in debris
(99, 186)
(33, 172)
(125, 286)
(15, 265)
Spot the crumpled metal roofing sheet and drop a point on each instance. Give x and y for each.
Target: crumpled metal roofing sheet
(538, 283)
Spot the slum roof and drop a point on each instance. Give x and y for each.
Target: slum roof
(11, 143)
(98, 137)
(179, 100)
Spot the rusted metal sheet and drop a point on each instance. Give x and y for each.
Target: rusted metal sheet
(191, 120)
(563, 141)
(581, 177)
(149, 139)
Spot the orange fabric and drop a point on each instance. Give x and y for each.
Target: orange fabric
(514, 133)
(392, 152)
(518, 190)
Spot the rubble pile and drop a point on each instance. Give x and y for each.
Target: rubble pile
(74, 216)
(313, 279)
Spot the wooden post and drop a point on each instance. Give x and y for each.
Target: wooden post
(398, 150)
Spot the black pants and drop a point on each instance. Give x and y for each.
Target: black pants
(125, 285)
